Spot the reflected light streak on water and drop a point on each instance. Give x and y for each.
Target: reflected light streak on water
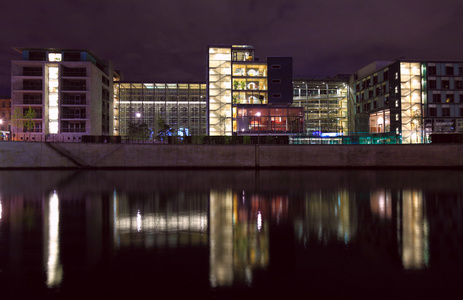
(54, 268)
(354, 236)
(138, 221)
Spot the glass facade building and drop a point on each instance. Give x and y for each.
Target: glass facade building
(182, 106)
(247, 96)
(410, 99)
(325, 106)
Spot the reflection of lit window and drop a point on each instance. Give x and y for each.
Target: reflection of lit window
(54, 56)
(0, 210)
(138, 221)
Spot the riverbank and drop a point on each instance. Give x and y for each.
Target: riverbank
(33, 155)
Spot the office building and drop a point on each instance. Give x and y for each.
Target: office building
(250, 97)
(70, 93)
(325, 105)
(181, 106)
(407, 100)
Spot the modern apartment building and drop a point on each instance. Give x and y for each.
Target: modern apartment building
(408, 99)
(250, 97)
(69, 91)
(182, 106)
(325, 105)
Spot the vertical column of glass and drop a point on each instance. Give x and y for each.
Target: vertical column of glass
(220, 100)
(342, 109)
(53, 95)
(410, 84)
(116, 108)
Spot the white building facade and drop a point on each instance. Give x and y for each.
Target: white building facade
(69, 92)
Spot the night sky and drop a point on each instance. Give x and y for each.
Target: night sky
(166, 41)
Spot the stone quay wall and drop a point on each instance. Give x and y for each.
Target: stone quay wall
(31, 155)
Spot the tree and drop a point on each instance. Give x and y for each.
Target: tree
(29, 117)
(16, 120)
(139, 131)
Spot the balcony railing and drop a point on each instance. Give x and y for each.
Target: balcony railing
(32, 101)
(73, 116)
(32, 87)
(74, 88)
(78, 73)
(74, 102)
(32, 73)
(66, 129)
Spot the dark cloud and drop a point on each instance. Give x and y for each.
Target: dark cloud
(166, 40)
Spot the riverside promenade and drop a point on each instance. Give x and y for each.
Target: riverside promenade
(41, 155)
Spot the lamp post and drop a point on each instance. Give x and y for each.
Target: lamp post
(258, 126)
(138, 115)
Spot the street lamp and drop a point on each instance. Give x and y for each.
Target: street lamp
(258, 127)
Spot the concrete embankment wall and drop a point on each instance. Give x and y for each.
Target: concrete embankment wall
(84, 155)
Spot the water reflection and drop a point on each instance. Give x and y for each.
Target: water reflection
(51, 236)
(231, 228)
(414, 237)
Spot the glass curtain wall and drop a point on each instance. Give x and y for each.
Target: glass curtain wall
(250, 83)
(264, 120)
(181, 106)
(325, 106)
(219, 91)
(411, 112)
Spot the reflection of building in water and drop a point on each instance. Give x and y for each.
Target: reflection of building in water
(326, 217)
(221, 238)
(163, 221)
(53, 266)
(414, 238)
(239, 234)
(251, 231)
(381, 203)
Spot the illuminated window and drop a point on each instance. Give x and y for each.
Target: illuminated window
(53, 127)
(53, 113)
(54, 56)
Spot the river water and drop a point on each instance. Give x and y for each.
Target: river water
(227, 234)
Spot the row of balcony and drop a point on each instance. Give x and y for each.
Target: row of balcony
(38, 72)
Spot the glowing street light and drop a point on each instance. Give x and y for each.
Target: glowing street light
(258, 127)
